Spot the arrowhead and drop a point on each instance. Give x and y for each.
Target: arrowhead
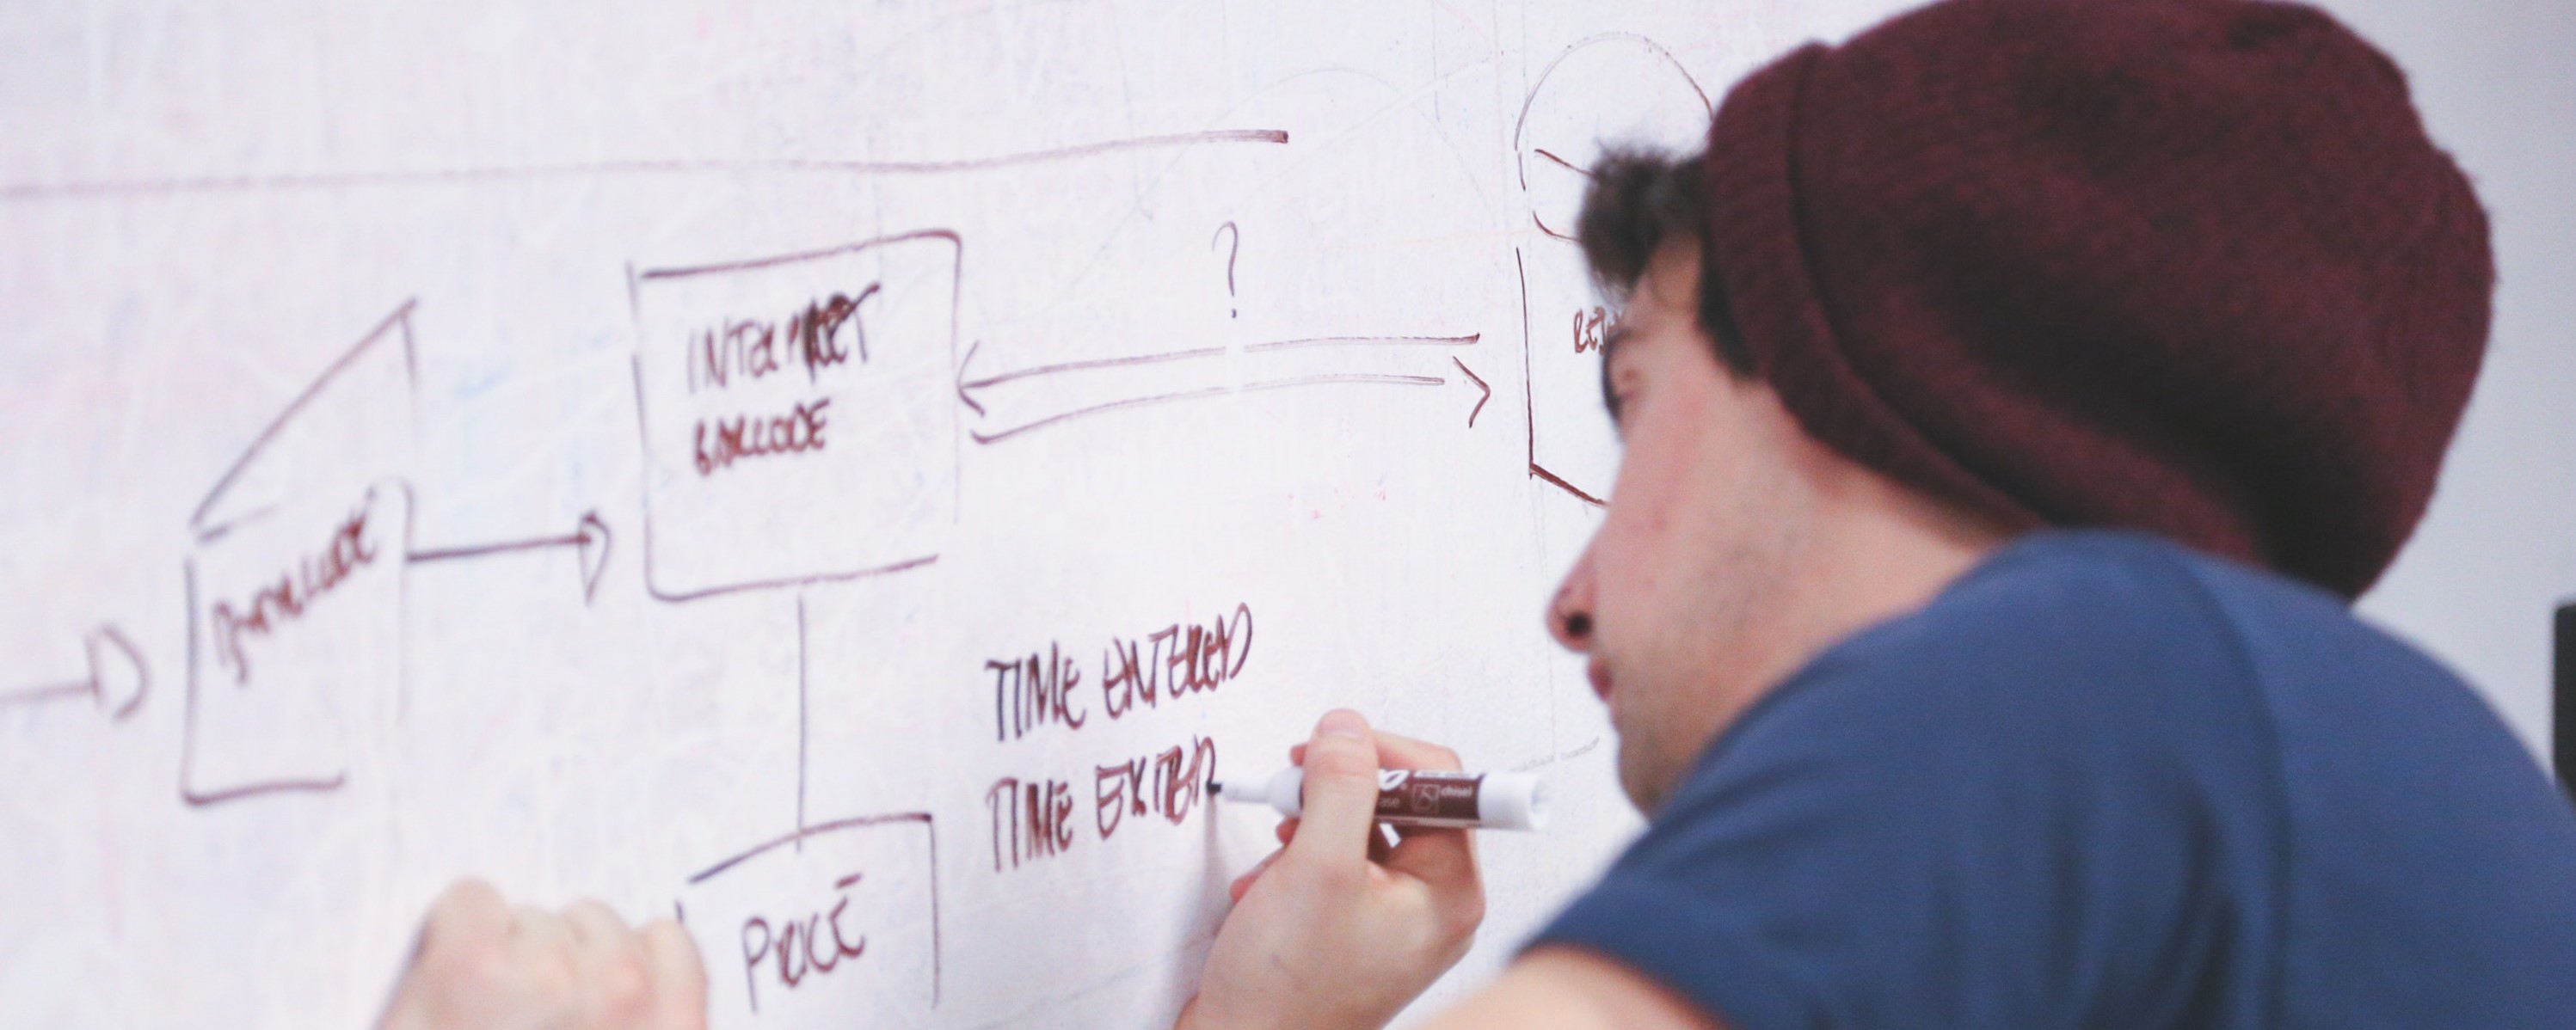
(1486, 392)
(594, 542)
(117, 677)
(962, 396)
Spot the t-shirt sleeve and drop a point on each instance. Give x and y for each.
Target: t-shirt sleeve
(2045, 807)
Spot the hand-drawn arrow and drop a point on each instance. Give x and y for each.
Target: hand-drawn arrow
(590, 537)
(1485, 393)
(118, 679)
(1069, 390)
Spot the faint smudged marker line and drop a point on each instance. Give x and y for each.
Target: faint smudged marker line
(1468, 340)
(293, 181)
(1541, 763)
(40, 695)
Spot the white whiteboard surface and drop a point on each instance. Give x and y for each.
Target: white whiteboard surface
(377, 513)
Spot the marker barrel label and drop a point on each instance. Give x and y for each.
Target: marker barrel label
(1424, 797)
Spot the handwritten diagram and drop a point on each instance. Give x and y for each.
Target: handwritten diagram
(864, 548)
(835, 918)
(1611, 89)
(801, 400)
(295, 583)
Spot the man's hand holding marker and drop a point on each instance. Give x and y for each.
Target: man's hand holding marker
(1339, 928)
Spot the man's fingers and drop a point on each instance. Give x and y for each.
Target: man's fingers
(536, 927)
(1443, 859)
(467, 910)
(581, 967)
(597, 928)
(1381, 842)
(1340, 808)
(1235, 890)
(1396, 751)
(466, 920)
(679, 976)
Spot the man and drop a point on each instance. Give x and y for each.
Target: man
(2188, 269)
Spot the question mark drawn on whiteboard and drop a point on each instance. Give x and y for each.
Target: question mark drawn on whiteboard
(1234, 245)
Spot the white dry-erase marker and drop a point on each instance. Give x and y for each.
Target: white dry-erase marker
(1422, 797)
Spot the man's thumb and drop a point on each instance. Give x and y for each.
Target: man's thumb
(1340, 804)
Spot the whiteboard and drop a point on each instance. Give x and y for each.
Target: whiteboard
(844, 475)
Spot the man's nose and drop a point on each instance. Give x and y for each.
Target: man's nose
(1569, 614)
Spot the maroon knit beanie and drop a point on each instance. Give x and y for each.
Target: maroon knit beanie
(2190, 266)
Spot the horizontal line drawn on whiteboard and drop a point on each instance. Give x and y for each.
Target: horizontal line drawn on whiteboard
(1213, 391)
(794, 837)
(1169, 391)
(1073, 366)
(56, 692)
(589, 540)
(118, 678)
(290, 182)
(756, 264)
(1468, 340)
(965, 385)
(772, 584)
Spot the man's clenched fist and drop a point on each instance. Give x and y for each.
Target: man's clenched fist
(485, 965)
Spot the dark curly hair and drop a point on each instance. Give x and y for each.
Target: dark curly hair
(1639, 200)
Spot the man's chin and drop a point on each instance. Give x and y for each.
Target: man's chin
(1639, 778)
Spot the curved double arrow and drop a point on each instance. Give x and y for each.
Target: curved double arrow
(1022, 400)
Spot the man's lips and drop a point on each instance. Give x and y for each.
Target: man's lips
(1599, 674)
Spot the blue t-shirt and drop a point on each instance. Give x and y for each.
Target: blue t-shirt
(2102, 781)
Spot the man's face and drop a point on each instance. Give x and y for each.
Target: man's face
(1675, 596)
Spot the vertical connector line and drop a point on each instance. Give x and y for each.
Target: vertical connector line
(2563, 701)
(800, 722)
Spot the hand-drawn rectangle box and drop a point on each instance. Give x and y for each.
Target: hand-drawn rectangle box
(294, 644)
(837, 925)
(295, 584)
(798, 414)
